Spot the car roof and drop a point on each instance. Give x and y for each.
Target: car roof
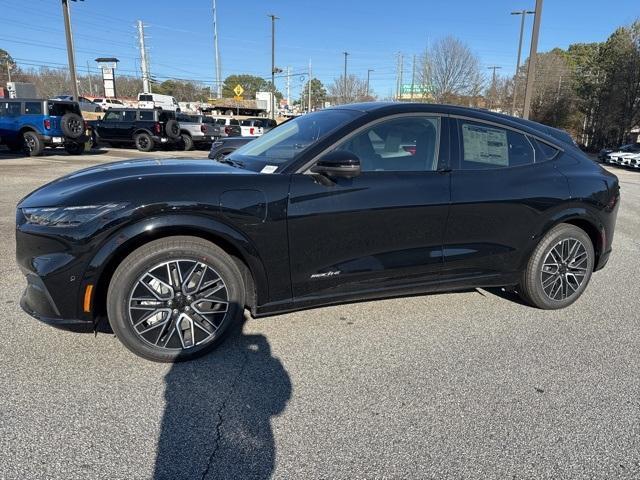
(529, 126)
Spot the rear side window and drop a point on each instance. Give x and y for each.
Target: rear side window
(9, 109)
(146, 115)
(129, 116)
(234, 122)
(547, 152)
(33, 108)
(486, 146)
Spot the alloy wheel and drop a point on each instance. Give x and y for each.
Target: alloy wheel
(178, 304)
(564, 269)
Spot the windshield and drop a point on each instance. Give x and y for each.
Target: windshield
(290, 139)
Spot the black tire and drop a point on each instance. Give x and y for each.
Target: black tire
(72, 125)
(549, 287)
(74, 148)
(155, 255)
(187, 142)
(33, 144)
(172, 129)
(144, 142)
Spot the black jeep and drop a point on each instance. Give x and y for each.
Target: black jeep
(145, 128)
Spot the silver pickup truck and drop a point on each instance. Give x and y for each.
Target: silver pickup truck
(196, 131)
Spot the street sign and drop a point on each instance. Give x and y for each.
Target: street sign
(238, 91)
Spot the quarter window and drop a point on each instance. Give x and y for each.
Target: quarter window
(486, 146)
(146, 115)
(33, 108)
(402, 144)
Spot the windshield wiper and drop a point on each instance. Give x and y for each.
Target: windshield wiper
(233, 163)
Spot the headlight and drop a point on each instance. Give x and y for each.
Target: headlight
(68, 216)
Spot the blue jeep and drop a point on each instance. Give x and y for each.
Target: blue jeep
(30, 125)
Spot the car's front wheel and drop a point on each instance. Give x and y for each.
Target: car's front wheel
(174, 298)
(559, 268)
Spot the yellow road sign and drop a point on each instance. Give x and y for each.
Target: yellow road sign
(238, 90)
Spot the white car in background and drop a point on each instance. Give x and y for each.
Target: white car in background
(620, 156)
(633, 161)
(107, 103)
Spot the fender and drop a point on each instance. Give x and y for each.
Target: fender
(135, 234)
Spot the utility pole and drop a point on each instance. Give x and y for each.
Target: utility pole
(144, 62)
(288, 86)
(89, 75)
(70, 53)
(531, 70)
(523, 14)
(273, 63)
(8, 69)
(413, 76)
(346, 54)
(217, 52)
(493, 84)
(400, 78)
(368, 77)
(309, 92)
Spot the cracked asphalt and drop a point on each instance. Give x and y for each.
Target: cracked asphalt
(459, 385)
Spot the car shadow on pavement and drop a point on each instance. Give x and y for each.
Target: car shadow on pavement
(217, 418)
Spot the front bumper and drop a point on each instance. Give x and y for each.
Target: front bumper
(37, 302)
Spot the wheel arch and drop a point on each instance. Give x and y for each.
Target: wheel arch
(112, 253)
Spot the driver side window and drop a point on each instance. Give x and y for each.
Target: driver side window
(399, 145)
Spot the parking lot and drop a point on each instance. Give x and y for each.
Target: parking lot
(460, 385)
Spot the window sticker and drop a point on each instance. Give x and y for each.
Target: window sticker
(269, 169)
(485, 145)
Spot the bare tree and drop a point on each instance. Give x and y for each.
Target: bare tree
(450, 71)
(353, 90)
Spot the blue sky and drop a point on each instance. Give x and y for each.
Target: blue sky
(372, 31)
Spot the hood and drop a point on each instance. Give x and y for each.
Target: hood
(114, 182)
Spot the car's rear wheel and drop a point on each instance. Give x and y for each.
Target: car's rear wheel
(144, 142)
(173, 299)
(33, 143)
(559, 269)
(187, 142)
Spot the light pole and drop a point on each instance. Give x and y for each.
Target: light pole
(216, 51)
(273, 63)
(346, 54)
(523, 14)
(531, 70)
(70, 53)
(368, 77)
(493, 84)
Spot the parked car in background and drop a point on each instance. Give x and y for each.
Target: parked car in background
(633, 161)
(145, 129)
(155, 100)
(227, 127)
(312, 213)
(107, 103)
(31, 125)
(86, 105)
(224, 146)
(617, 156)
(195, 131)
(254, 127)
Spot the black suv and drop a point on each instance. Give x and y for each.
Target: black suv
(145, 128)
(30, 125)
(350, 203)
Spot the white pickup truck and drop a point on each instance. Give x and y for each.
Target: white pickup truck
(196, 131)
(254, 127)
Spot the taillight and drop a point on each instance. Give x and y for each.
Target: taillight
(157, 128)
(47, 124)
(251, 131)
(203, 128)
(227, 130)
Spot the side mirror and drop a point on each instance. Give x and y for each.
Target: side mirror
(339, 163)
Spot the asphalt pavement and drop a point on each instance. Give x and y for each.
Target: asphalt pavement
(459, 385)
